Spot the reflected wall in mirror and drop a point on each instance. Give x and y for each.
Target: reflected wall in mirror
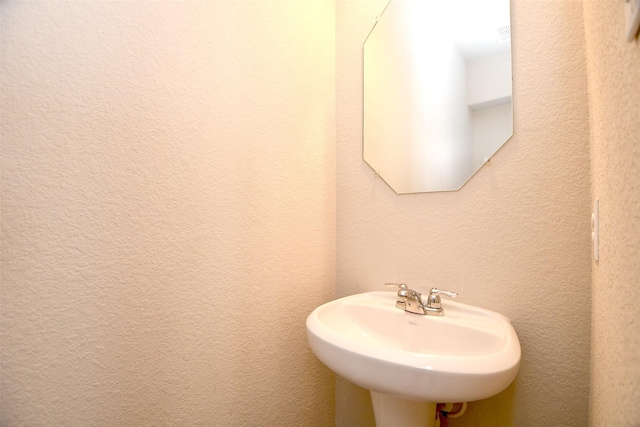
(437, 91)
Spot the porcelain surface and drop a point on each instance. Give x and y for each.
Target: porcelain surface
(468, 354)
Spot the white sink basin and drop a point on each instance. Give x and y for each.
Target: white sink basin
(467, 354)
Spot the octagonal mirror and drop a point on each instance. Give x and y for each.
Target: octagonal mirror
(437, 91)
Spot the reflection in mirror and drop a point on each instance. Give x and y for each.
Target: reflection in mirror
(437, 91)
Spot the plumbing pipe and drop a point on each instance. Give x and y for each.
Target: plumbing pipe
(456, 410)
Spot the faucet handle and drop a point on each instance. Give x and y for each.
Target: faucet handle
(436, 291)
(434, 297)
(403, 291)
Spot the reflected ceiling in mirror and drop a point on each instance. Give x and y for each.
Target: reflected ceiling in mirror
(437, 91)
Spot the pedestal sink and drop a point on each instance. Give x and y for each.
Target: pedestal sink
(410, 362)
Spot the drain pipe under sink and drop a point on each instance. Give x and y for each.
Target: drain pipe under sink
(446, 411)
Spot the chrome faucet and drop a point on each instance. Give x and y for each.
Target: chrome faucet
(411, 301)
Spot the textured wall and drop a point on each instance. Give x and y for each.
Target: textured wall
(614, 94)
(515, 239)
(168, 212)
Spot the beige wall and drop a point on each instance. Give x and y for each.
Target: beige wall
(515, 239)
(614, 94)
(168, 212)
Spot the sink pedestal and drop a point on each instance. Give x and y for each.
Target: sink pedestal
(392, 411)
